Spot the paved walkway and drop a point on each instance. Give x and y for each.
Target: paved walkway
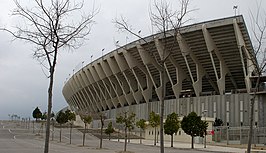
(187, 146)
(16, 139)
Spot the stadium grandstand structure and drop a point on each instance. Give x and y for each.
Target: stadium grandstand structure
(210, 68)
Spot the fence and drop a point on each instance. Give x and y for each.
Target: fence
(239, 135)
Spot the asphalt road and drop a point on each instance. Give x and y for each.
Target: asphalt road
(16, 138)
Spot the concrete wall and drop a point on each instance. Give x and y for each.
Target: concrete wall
(232, 108)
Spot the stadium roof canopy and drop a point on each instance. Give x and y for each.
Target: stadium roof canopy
(213, 57)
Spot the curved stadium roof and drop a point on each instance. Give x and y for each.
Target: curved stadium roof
(206, 58)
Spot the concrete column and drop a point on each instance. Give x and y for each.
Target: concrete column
(148, 60)
(243, 51)
(211, 46)
(180, 74)
(88, 90)
(186, 52)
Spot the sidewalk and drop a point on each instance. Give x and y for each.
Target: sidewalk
(187, 146)
(20, 140)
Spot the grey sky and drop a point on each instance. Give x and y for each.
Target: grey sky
(23, 85)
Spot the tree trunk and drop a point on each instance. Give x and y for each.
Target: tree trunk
(33, 126)
(70, 133)
(128, 136)
(125, 147)
(50, 95)
(192, 142)
(251, 121)
(155, 136)
(101, 139)
(162, 99)
(251, 117)
(172, 139)
(85, 130)
(60, 133)
(140, 141)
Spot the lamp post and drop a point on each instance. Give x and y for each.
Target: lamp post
(157, 132)
(205, 111)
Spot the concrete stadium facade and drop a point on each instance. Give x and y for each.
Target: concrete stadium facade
(209, 68)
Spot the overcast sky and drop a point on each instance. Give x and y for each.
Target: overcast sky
(23, 85)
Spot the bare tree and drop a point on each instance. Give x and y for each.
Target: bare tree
(163, 18)
(128, 122)
(87, 119)
(258, 27)
(48, 27)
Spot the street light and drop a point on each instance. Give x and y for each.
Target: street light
(205, 113)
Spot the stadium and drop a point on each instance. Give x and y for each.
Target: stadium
(209, 68)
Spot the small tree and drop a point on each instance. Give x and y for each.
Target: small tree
(128, 122)
(217, 122)
(71, 117)
(141, 124)
(194, 126)
(36, 113)
(154, 121)
(109, 130)
(61, 118)
(87, 119)
(52, 115)
(171, 125)
(44, 116)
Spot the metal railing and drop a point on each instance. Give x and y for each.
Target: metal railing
(239, 135)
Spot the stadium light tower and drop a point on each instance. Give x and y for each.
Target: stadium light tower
(102, 51)
(235, 8)
(91, 58)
